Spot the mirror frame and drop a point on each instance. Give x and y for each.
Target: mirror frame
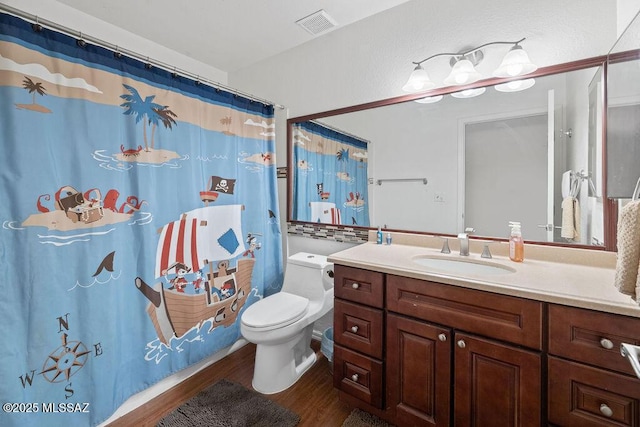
(610, 212)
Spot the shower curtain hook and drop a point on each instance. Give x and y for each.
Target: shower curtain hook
(80, 42)
(37, 27)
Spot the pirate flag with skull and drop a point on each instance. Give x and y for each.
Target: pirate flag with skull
(222, 185)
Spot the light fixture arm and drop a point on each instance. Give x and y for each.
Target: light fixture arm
(463, 54)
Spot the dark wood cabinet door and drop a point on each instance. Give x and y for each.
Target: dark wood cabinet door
(418, 372)
(496, 384)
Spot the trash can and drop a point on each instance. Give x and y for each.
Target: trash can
(326, 346)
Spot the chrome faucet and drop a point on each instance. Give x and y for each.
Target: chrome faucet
(464, 241)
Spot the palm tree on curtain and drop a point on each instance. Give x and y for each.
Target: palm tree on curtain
(226, 121)
(33, 88)
(165, 116)
(342, 156)
(142, 109)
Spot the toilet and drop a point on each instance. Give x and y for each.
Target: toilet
(281, 325)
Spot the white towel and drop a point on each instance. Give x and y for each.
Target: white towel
(570, 219)
(596, 221)
(566, 184)
(321, 212)
(628, 261)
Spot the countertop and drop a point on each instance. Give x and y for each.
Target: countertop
(574, 277)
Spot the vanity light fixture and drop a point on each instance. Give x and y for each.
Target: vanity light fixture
(429, 99)
(469, 93)
(515, 85)
(515, 63)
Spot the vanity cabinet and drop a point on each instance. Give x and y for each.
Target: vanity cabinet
(590, 384)
(421, 353)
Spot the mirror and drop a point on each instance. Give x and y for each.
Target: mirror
(623, 113)
(477, 162)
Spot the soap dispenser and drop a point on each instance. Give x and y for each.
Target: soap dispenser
(516, 244)
(379, 236)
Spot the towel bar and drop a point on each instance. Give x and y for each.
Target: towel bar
(380, 181)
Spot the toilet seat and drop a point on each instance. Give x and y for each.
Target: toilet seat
(275, 311)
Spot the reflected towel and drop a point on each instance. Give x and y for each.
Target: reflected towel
(566, 184)
(324, 212)
(628, 249)
(570, 219)
(596, 221)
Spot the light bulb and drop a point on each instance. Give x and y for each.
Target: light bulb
(418, 81)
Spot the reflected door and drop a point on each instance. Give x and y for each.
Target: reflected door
(506, 166)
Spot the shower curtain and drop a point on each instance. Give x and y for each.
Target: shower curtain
(330, 183)
(139, 219)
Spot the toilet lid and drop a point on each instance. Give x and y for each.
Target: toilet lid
(276, 310)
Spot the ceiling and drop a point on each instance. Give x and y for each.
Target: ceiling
(226, 34)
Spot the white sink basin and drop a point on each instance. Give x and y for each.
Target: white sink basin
(463, 266)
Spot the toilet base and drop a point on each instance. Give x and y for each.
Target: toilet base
(278, 367)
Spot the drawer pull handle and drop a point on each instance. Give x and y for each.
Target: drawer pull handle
(462, 344)
(355, 377)
(355, 285)
(605, 410)
(605, 343)
(354, 329)
(442, 337)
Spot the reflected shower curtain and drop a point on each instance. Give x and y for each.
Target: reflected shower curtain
(330, 183)
(139, 219)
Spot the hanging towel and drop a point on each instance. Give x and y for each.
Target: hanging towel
(566, 184)
(628, 260)
(596, 221)
(570, 219)
(322, 212)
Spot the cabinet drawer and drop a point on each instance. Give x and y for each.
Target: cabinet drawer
(361, 286)
(358, 327)
(358, 375)
(584, 396)
(501, 317)
(592, 337)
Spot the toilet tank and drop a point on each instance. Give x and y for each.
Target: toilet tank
(308, 275)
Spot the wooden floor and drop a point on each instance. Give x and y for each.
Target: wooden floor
(312, 397)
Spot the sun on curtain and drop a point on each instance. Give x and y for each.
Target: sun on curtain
(330, 183)
(140, 218)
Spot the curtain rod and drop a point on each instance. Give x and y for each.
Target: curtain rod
(359, 138)
(117, 49)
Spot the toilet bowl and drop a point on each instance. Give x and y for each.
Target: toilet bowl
(281, 325)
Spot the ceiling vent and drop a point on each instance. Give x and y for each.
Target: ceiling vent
(317, 23)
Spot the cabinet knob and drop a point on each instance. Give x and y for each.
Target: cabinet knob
(355, 285)
(355, 377)
(605, 343)
(462, 344)
(354, 329)
(605, 410)
(442, 337)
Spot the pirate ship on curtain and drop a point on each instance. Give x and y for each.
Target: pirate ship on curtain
(201, 244)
